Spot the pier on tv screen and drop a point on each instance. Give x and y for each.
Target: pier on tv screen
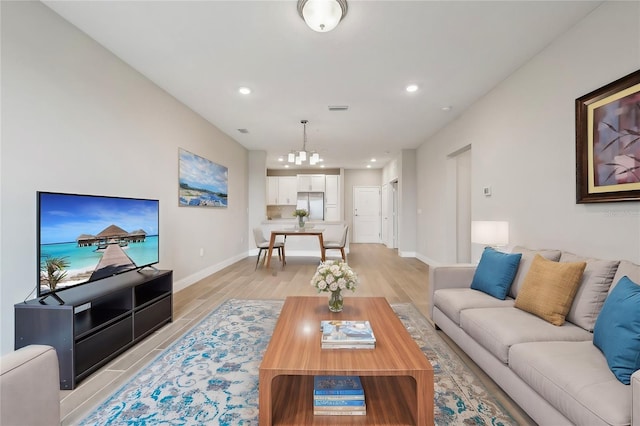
(84, 238)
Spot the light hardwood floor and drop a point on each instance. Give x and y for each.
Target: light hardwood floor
(382, 273)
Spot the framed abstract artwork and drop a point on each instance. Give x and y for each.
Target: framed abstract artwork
(202, 183)
(608, 142)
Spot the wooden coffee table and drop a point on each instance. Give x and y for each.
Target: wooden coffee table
(396, 376)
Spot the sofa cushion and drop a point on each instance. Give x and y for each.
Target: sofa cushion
(452, 301)
(617, 330)
(574, 378)
(495, 272)
(497, 329)
(549, 288)
(525, 264)
(626, 268)
(593, 289)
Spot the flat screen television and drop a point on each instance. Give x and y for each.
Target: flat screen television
(85, 238)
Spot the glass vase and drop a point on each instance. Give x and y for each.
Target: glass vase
(336, 302)
(300, 222)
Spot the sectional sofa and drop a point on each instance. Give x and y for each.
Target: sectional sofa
(30, 387)
(560, 369)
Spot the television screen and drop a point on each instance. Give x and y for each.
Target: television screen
(84, 238)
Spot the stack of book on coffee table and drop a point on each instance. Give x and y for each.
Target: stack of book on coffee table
(338, 396)
(347, 335)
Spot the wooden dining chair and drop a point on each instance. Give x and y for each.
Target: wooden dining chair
(263, 245)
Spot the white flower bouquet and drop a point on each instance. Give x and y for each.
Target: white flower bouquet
(334, 275)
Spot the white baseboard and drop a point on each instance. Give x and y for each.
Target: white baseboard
(428, 260)
(406, 253)
(194, 278)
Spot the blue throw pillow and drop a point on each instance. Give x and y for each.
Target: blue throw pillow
(496, 272)
(617, 329)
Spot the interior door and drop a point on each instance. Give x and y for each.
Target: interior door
(386, 214)
(393, 208)
(366, 214)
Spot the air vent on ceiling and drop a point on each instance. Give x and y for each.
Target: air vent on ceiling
(243, 130)
(338, 107)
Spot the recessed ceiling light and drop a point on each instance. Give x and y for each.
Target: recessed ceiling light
(280, 159)
(368, 166)
(373, 160)
(412, 88)
(322, 166)
(447, 108)
(244, 90)
(286, 166)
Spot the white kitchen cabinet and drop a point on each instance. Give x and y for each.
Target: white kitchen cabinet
(311, 183)
(331, 213)
(282, 190)
(272, 190)
(331, 190)
(332, 198)
(287, 190)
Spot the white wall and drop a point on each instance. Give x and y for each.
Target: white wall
(523, 145)
(77, 119)
(407, 204)
(257, 193)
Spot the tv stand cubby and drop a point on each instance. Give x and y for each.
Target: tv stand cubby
(97, 321)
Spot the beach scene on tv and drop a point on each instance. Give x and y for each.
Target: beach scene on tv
(85, 238)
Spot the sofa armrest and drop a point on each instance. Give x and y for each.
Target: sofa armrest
(635, 399)
(449, 276)
(30, 387)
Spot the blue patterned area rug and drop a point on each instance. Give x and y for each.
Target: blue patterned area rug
(210, 375)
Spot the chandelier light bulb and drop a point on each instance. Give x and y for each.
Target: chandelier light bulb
(303, 155)
(291, 158)
(298, 160)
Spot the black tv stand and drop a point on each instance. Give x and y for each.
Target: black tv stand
(97, 321)
(52, 294)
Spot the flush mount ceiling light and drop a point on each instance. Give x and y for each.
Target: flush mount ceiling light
(322, 15)
(299, 157)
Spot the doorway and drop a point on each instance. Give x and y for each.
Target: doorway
(461, 186)
(390, 214)
(366, 214)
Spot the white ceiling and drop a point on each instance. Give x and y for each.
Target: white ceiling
(201, 52)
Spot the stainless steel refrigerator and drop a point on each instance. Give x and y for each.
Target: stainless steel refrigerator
(313, 202)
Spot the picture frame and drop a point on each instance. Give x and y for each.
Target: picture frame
(608, 142)
(201, 182)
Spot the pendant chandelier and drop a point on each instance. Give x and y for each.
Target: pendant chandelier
(299, 157)
(322, 15)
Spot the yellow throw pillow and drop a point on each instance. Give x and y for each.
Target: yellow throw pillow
(549, 288)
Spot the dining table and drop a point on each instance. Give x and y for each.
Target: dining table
(317, 232)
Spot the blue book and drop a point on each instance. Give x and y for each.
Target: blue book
(337, 385)
(338, 403)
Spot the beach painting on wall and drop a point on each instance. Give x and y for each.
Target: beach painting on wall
(203, 183)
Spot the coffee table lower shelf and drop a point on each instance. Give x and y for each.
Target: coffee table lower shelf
(391, 400)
